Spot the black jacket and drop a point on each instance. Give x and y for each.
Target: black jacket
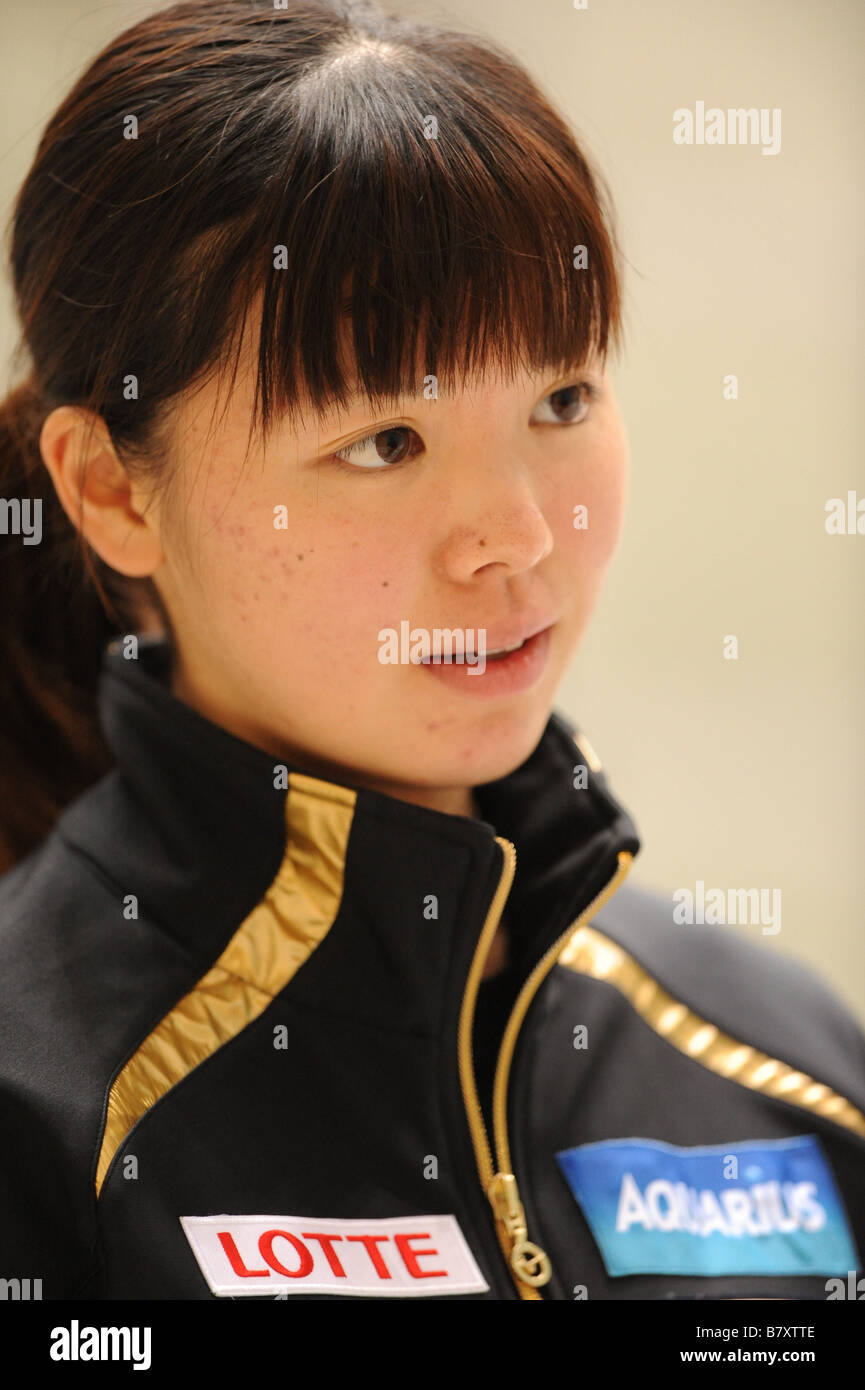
(237, 1055)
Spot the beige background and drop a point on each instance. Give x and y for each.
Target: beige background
(747, 773)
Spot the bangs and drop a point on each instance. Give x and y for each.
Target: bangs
(424, 224)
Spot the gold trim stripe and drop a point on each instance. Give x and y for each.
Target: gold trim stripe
(590, 952)
(270, 945)
(593, 761)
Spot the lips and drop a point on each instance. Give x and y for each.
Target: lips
(510, 643)
(497, 677)
(507, 642)
(503, 651)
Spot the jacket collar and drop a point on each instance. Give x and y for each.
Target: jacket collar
(192, 821)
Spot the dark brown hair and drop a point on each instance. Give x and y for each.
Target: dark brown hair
(313, 129)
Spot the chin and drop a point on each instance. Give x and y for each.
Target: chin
(501, 743)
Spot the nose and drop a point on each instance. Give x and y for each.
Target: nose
(495, 519)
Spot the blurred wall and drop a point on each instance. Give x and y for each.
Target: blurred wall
(740, 773)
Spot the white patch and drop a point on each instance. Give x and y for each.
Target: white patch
(400, 1257)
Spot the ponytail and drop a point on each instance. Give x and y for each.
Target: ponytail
(53, 628)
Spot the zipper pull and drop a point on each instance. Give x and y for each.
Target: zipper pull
(529, 1262)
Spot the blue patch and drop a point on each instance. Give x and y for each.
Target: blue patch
(761, 1207)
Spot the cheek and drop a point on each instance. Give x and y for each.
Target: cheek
(589, 507)
(313, 580)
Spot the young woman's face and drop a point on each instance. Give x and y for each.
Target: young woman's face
(452, 512)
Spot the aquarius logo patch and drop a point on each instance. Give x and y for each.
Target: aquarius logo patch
(760, 1207)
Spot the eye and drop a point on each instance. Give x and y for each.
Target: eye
(566, 399)
(387, 447)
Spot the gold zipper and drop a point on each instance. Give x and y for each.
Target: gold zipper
(529, 1265)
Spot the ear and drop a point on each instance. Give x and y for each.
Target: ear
(97, 493)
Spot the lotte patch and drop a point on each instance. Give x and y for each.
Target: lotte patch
(399, 1256)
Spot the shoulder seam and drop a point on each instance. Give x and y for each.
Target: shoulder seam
(162, 927)
(590, 952)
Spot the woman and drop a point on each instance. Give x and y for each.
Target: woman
(318, 304)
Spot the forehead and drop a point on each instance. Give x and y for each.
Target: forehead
(225, 401)
(418, 383)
